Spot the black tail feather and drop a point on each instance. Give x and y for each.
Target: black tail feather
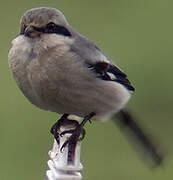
(136, 135)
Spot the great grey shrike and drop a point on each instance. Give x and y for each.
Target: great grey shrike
(60, 70)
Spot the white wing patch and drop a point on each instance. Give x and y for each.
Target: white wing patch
(112, 76)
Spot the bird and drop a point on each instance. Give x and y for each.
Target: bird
(59, 70)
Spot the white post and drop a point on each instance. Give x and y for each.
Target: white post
(65, 164)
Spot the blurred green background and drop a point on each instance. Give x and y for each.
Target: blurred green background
(138, 35)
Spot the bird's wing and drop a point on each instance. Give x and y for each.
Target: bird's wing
(98, 62)
(110, 72)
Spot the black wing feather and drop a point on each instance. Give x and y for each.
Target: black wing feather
(104, 69)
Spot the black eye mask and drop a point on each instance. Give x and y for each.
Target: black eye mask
(50, 28)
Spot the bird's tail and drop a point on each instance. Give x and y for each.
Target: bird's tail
(142, 143)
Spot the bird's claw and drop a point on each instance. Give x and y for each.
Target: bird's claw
(54, 131)
(55, 128)
(78, 134)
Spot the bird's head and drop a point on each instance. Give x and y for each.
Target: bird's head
(40, 21)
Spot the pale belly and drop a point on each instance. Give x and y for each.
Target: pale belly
(73, 94)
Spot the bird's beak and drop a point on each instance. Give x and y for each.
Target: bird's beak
(31, 32)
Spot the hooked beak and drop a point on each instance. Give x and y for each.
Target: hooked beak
(31, 32)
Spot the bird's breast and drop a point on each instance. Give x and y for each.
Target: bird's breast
(25, 68)
(41, 72)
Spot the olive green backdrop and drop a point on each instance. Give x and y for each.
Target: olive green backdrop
(138, 36)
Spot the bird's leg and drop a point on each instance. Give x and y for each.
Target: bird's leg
(78, 133)
(57, 125)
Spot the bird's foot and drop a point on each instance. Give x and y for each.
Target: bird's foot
(55, 128)
(78, 134)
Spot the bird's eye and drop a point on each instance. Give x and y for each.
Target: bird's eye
(51, 25)
(56, 29)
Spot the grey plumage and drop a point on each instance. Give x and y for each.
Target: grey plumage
(51, 69)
